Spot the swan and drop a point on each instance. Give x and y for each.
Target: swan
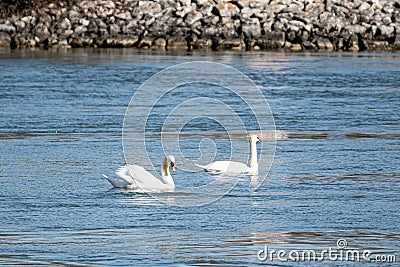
(236, 167)
(136, 177)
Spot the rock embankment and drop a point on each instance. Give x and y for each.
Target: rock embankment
(208, 24)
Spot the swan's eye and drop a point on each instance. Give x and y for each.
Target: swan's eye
(172, 164)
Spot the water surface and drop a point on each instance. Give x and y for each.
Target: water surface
(335, 174)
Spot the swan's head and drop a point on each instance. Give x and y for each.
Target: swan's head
(171, 162)
(255, 138)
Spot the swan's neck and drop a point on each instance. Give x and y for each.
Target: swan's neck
(166, 175)
(253, 155)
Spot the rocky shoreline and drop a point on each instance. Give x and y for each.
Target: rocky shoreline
(208, 25)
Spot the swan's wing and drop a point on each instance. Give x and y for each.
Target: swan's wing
(238, 167)
(123, 174)
(204, 167)
(117, 182)
(145, 179)
(226, 167)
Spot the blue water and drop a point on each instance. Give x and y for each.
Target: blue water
(335, 173)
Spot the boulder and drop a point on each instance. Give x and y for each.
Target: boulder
(324, 44)
(114, 30)
(159, 43)
(84, 22)
(232, 44)
(225, 9)
(385, 32)
(307, 45)
(193, 17)
(352, 43)
(108, 4)
(129, 42)
(20, 25)
(79, 30)
(202, 44)
(177, 43)
(42, 31)
(7, 28)
(5, 39)
(252, 29)
(271, 40)
(296, 47)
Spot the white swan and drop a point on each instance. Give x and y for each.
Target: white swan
(136, 177)
(236, 167)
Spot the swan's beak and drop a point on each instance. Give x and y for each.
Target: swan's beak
(258, 140)
(172, 167)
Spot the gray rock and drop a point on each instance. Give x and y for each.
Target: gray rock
(79, 30)
(73, 15)
(359, 29)
(29, 20)
(224, 9)
(293, 8)
(307, 45)
(92, 27)
(75, 42)
(159, 43)
(65, 34)
(231, 44)
(84, 22)
(7, 28)
(121, 16)
(338, 43)
(5, 39)
(396, 41)
(20, 25)
(129, 42)
(304, 36)
(296, 47)
(252, 29)
(42, 31)
(386, 20)
(324, 44)
(108, 4)
(385, 32)
(278, 26)
(364, 7)
(145, 43)
(247, 12)
(271, 40)
(202, 44)
(275, 8)
(113, 30)
(301, 19)
(101, 24)
(177, 43)
(65, 24)
(267, 26)
(352, 43)
(375, 45)
(193, 17)
(63, 43)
